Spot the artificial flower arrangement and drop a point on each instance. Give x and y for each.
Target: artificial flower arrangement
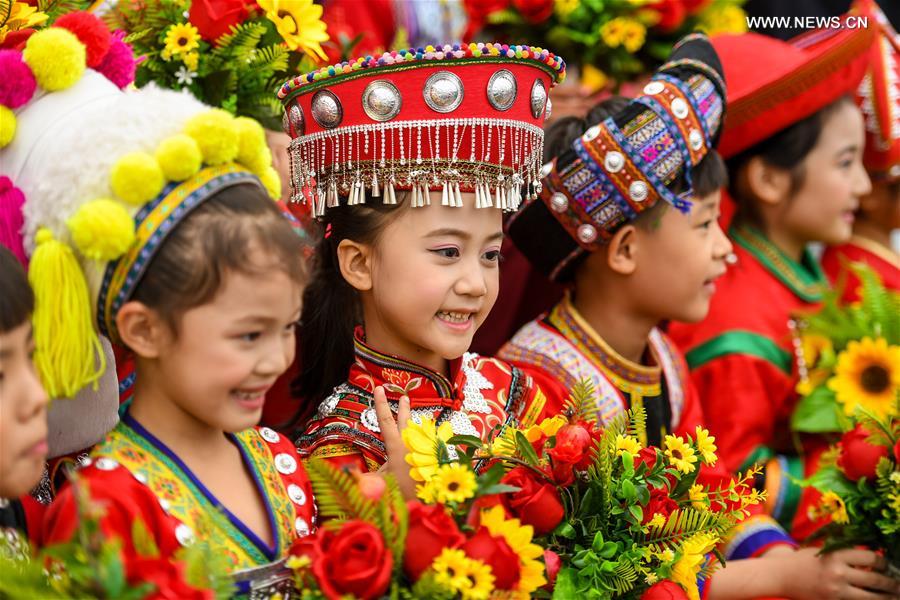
(229, 53)
(848, 357)
(859, 479)
(90, 565)
(611, 40)
(615, 519)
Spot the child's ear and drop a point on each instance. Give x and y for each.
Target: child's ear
(355, 261)
(141, 329)
(769, 183)
(621, 253)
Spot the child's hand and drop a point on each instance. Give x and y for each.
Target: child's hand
(393, 441)
(848, 573)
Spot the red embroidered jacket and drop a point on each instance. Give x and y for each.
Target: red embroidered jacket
(883, 261)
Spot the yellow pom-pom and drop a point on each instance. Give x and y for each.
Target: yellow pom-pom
(179, 157)
(7, 126)
(251, 138)
(136, 178)
(102, 229)
(69, 355)
(56, 58)
(272, 182)
(260, 161)
(216, 134)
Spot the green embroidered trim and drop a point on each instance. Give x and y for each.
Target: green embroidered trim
(131, 437)
(805, 278)
(788, 492)
(757, 456)
(741, 342)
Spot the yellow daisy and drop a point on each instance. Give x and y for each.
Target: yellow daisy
(564, 8)
(518, 537)
(685, 569)
(626, 443)
(658, 520)
(680, 454)
(634, 36)
(706, 446)
(481, 580)
(451, 569)
(181, 38)
(723, 18)
(547, 427)
(21, 16)
(299, 23)
(832, 505)
(698, 497)
(421, 441)
(190, 60)
(453, 483)
(867, 376)
(425, 493)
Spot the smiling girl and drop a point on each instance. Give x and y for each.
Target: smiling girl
(794, 155)
(411, 190)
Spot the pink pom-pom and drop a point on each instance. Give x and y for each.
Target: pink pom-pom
(11, 218)
(119, 65)
(90, 31)
(17, 84)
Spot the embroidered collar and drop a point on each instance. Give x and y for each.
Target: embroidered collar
(628, 376)
(805, 279)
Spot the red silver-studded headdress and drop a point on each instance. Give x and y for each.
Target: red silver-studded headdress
(879, 98)
(449, 118)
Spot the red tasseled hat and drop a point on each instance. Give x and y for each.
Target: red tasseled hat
(773, 84)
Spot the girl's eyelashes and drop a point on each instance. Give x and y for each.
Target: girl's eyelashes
(250, 336)
(448, 252)
(493, 256)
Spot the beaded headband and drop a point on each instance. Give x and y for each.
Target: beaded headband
(452, 118)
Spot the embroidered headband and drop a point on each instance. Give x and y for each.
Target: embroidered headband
(449, 118)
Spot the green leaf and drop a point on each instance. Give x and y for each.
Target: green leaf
(817, 412)
(629, 491)
(565, 530)
(565, 588)
(465, 440)
(498, 488)
(143, 542)
(637, 512)
(526, 450)
(830, 479)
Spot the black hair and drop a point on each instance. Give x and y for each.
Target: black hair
(331, 306)
(16, 297)
(786, 150)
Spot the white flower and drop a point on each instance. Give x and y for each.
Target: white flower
(185, 76)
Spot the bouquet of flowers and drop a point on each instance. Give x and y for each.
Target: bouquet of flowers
(229, 53)
(848, 357)
(860, 483)
(615, 40)
(373, 544)
(615, 517)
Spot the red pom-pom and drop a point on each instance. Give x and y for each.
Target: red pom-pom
(90, 31)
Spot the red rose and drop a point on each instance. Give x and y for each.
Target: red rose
(353, 561)
(477, 12)
(214, 18)
(694, 6)
(537, 503)
(473, 519)
(430, 530)
(646, 456)
(573, 446)
(664, 590)
(671, 14)
(534, 11)
(552, 563)
(858, 458)
(660, 503)
(495, 552)
(168, 577)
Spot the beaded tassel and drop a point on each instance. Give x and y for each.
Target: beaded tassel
(457, 195)
(376, 193)
(445, 193)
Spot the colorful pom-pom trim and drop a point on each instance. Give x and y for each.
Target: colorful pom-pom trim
(445, 53)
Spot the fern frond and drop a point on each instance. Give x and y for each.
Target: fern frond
(582, 402)
(337, 494)
(622, 579)
(681, 525)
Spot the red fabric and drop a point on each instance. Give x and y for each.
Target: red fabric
(34, 517)
(772, 84)
(835, 257)
(374, 21)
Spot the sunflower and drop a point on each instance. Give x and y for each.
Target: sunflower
(698, 497)
(421, 440)
(867, 376)
(181, 38)
(680, 454)
(518, 537)
(481, 581)
(693, 555)
(451, 568)
(706, 446)
(626, 443)
(453, 483)
(299, 22)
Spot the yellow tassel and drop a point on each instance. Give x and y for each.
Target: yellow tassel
(69, 355)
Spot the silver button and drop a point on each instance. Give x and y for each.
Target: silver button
(296, 120)
(296, 494)
(502, 90)
(559, 202)
(285, 463)
(653, 88)
(184, 535)
(443, 92)
(696, 139)
(638, 191)
(327, 109)
(106, 464)
(679, 108)
(302, 527)
(538, 98)
(269, 435)
(591, 134)
(381, 100)
(587, 233)
(613, 161)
